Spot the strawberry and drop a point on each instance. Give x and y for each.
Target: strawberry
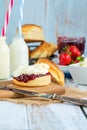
(74, 51)
(64, 59)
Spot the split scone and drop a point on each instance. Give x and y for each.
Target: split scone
(32, 75)
(56, 73)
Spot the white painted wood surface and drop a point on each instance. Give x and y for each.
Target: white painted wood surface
(71, 117)
(85, 110)
(13, 116)
(56, 117)
(51, 117)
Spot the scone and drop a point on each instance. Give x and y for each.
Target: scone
(44, 50)
(32, 33)
(56, 72)
(32, 75)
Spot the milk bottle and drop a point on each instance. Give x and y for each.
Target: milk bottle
(18, 54)
(4, 59)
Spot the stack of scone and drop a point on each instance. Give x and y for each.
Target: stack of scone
(32, 34)
(44, 70)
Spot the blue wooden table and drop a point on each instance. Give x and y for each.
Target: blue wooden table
(60, 116)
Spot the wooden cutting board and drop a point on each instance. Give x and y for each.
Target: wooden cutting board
(51, 89)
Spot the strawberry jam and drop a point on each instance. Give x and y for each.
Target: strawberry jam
(25, 77)
(64, 41)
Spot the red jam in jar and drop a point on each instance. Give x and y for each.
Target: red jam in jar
(64, 41)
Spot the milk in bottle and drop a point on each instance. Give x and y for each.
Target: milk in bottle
(18, 54)
(4, 59)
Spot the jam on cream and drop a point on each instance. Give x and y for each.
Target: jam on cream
(27, 73)
(36, 69)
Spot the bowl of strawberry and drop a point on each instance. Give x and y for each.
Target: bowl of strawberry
(69, 55)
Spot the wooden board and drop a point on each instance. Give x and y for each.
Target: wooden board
(51, 89)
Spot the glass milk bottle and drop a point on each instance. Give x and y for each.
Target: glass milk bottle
(18, 54)
(4, 59)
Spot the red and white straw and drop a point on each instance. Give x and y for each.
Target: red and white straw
(21, 17)
(7, 17)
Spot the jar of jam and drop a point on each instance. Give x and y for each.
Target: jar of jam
(64, 41)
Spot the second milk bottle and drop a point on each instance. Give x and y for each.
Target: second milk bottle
(18, 54)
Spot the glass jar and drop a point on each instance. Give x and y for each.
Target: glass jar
(18, 54)
(64, 42)
(4, 59)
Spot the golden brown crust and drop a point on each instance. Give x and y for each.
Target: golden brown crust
(44, 50)
(32, 33)
(56, 72)
(40, 81)
(27, 27)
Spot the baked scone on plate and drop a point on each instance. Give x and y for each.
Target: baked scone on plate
(32, 75)
(56, 73)
(32, 33)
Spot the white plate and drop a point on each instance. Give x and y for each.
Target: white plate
(64, 68)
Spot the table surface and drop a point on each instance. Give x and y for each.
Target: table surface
(58, 116)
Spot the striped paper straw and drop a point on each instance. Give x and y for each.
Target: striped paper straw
(21, 17)
(7, 17)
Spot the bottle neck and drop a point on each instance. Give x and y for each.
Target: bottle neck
(18, 40)
(2, 39)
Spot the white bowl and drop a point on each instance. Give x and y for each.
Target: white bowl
(78, 73)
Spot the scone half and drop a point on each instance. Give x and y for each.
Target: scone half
(32, 75)
(56, 73)
(32, 33)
